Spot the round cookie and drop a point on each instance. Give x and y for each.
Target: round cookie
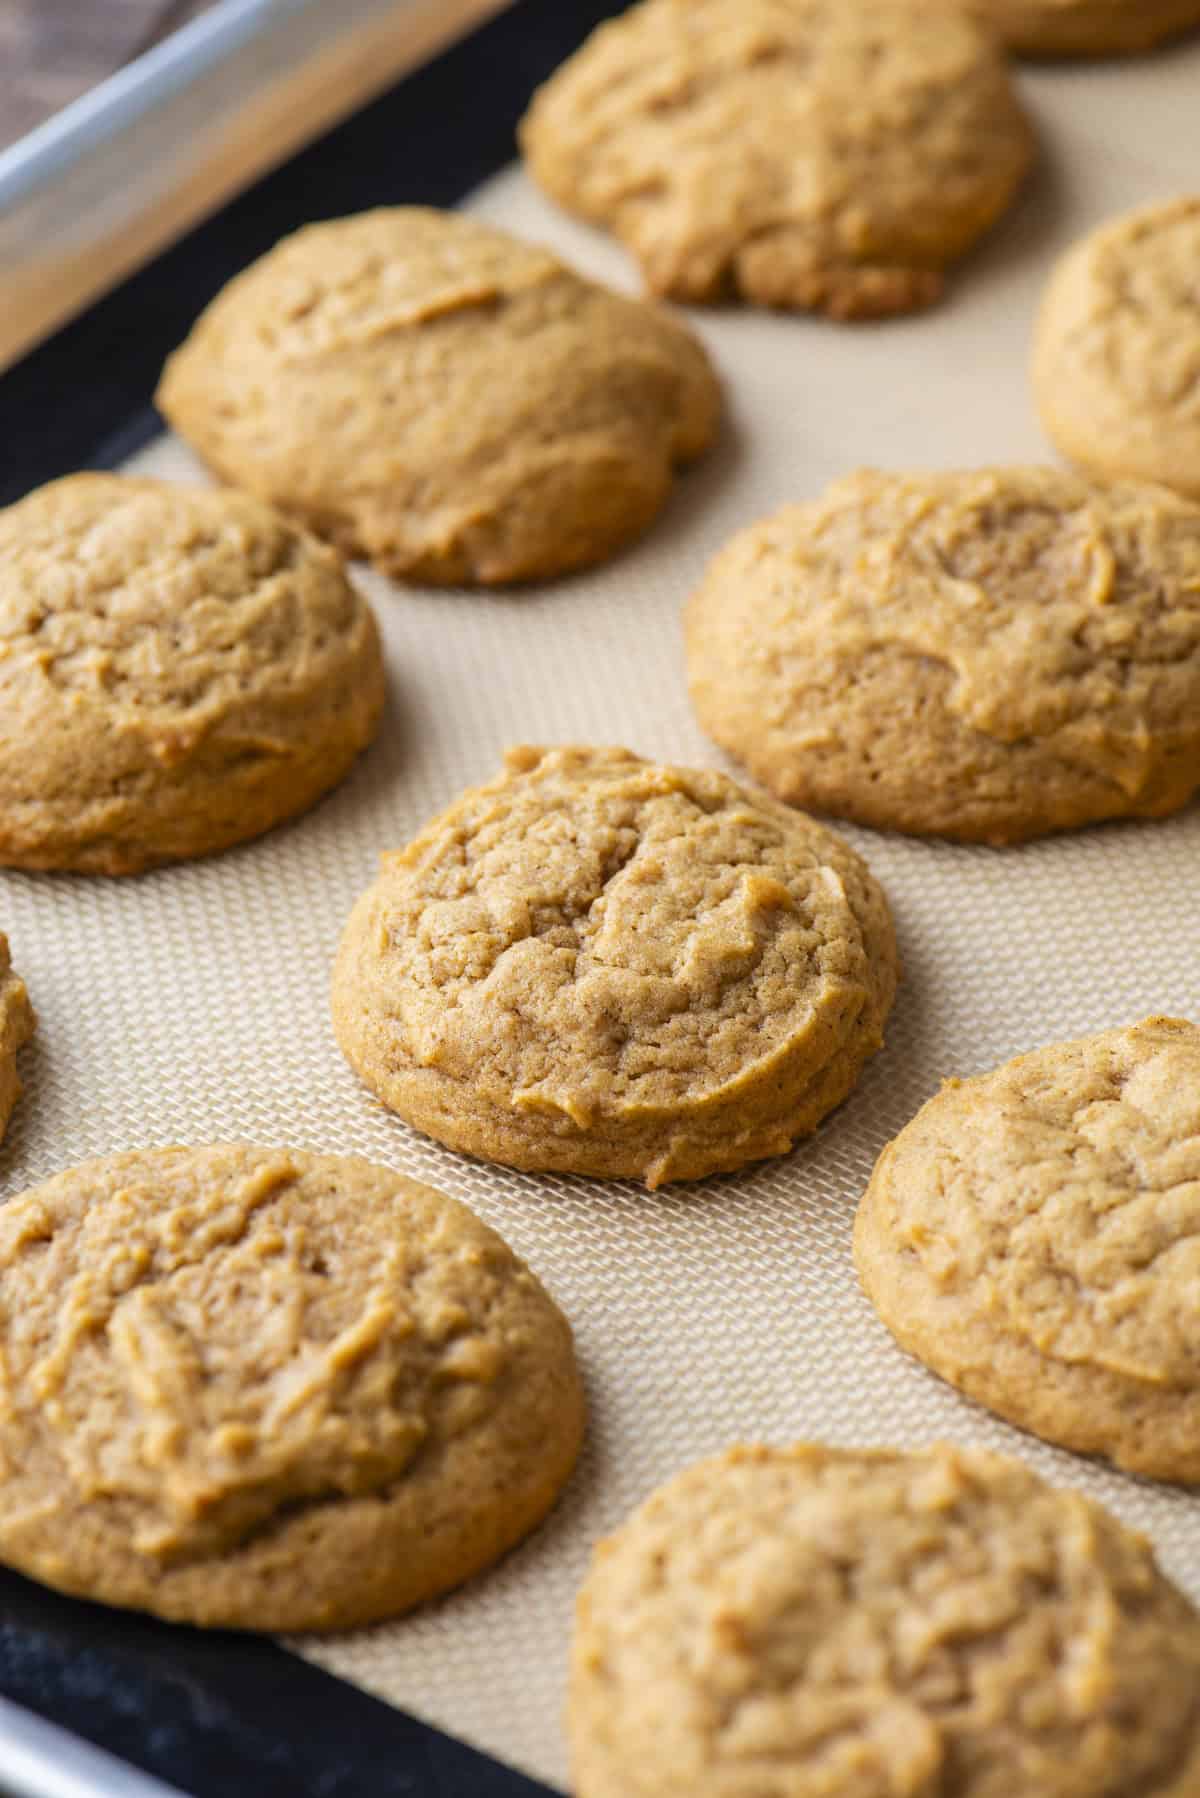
(986, 655)
(180, 669)
(17, 1024)
(1116, 351)
(593, 965)
(1033, 1235)
(442, 398)
(1085, 27)
(866, 1624)
(798, 153)
(260, 1389)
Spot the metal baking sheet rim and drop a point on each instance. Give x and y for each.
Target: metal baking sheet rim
(40, 1760)
(100, 187)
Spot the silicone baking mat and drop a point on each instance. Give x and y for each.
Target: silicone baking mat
(192, 1004)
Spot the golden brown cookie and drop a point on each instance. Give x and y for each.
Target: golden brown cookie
(438, 396)
(179, 669)
(593, 965)
(801, 153)
(264, 1389)
(1033, 1235)
(1116, 354)
(824, 1623)
(986, 655)
(1085, 27)
(17, 1024)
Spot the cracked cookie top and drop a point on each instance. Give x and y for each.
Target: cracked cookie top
(1116, 362)
(605, 960)
(214, 1356)
(1034, 1234)
(801, 153)
(179, 668)
(986, 654)
(939, 1624)
(167, 605)
(433, 394)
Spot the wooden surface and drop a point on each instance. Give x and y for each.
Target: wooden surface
(51, 51)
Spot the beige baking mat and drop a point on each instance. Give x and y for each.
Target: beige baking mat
(191, 1004)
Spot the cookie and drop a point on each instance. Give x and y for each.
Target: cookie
(1033, 1235)
(17, 1024)
(435, 395)
(260, 1389)
(986, 655)
(1085, 27)
(1116, 353)
(179, 669)
(865, 1624)
(798, 153)
(593, 965)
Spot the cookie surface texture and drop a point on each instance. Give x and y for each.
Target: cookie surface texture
(180, 669)
(853, 1624)
(17, 1024)
(798, 153)
(439, 397)
(986, 656)
(263, 1389)
(1116, 356)
(593, 965)
(1033, 1235)
(1085, 27)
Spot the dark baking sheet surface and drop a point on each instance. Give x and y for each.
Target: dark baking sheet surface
(218, 1714)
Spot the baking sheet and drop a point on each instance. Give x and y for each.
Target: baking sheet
(97, 188)
(192, 1004)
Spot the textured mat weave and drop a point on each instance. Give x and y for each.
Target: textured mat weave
(192, 1004)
